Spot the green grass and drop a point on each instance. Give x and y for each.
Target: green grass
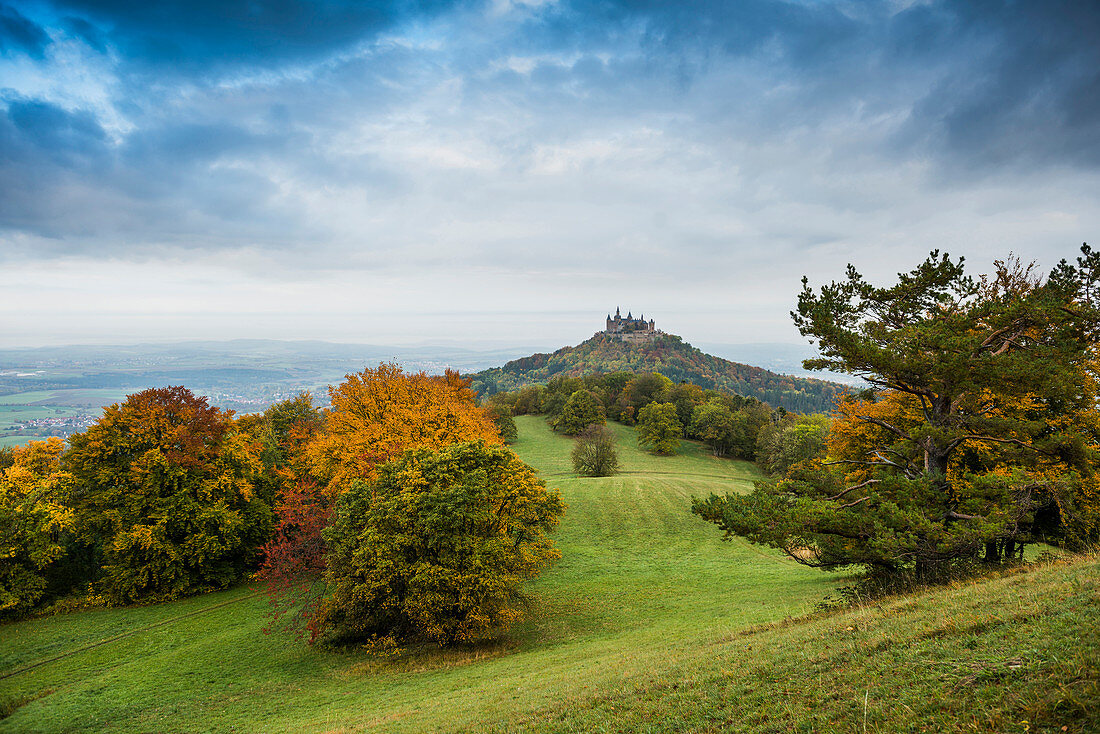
(648, 623)
(27, 398)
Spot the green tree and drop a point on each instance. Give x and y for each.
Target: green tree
(594, 453)
(35, 515)
(641, 391)
(659, 428)
(437, 547)
(165, 492)
(529, 400)
(505, 424)
(685, 396)
(980, 433)
(796, 438)
(714, 424)
(581, 410)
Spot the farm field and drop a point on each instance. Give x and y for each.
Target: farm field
(49, 406)
(650, 622)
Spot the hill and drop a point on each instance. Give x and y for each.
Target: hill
(650, 622)
(672, 357)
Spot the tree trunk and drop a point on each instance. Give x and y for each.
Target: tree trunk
(992, 552)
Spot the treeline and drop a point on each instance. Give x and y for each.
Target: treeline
(375, 519)
(670, 356)
(665, 411)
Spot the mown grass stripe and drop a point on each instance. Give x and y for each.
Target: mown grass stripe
(124, 635)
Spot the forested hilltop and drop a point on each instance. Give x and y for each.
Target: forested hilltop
(669, 355)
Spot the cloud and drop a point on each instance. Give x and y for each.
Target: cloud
(698, 152)
(197, 36)
(19, 34)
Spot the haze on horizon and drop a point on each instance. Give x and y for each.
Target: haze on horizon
(496, 170)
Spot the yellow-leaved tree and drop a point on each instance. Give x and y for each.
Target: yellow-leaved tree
(34, 518)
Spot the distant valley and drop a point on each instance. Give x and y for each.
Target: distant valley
(57, 390)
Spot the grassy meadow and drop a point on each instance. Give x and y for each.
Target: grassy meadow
(650, 622)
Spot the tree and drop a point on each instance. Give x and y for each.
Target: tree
(795, 438)
(714, 424)
(685, 396)
(378, 413)
(437, 546)
(34, 516)
(166, 493)
(979, 435)
(658, 428)
(594, 453)
(293, 558)
(502, 419)
(529, 400)
(641, 391)
(581, 410)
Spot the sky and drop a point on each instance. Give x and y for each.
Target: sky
(512, 170)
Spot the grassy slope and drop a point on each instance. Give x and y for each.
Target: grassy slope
(641, 581)
(646, 625)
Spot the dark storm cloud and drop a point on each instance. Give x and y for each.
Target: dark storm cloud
(196, 35)
(215, 110)
(1017, 82)
(19, 34)
(1026, 88)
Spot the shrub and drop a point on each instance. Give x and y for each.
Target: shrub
(594, 453)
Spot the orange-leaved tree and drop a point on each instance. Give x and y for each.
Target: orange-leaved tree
(378, 413)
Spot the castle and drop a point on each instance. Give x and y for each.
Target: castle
(630, 329)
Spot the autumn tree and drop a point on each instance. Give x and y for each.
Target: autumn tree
(165, 493)
(980, 432)
(529, 400)
(580, 411)
(376, 415)
(641, 391)
(293, 558)
(437, 546)
(594, 453)
(379, 413)
(35, 517)
(659, 429)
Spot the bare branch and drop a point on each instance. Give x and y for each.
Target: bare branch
(952, 515)
(884, 424)
(857, 486)
(856, 502)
